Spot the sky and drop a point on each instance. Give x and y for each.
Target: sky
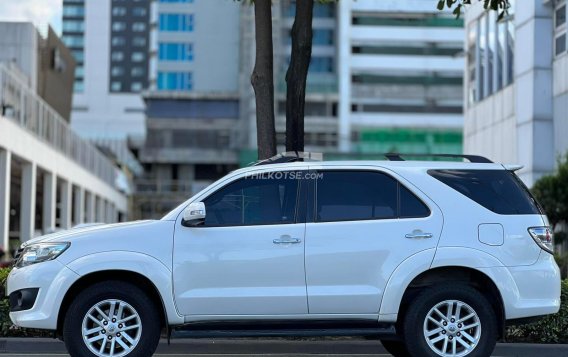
(40, 12)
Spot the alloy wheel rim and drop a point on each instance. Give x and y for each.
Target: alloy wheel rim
(452, 328)
(111, 328)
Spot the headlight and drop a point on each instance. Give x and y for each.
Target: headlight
(40, 252)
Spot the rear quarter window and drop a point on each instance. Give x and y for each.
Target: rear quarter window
(500, 191)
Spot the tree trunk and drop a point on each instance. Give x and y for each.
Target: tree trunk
(297, 75)
(262, 80)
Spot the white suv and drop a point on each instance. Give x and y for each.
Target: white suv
(434, 258)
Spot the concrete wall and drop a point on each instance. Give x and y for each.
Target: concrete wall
(19, 43)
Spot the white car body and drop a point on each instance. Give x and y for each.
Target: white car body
(339, 270)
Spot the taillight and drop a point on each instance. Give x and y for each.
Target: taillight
(543, 237)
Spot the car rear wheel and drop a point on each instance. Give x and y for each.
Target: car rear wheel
(450, 320)
(112, 319)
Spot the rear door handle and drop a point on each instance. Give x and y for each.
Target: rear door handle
(419, 235)
(287, 240)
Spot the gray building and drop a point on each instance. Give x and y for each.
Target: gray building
(192, 108)
(110, 41)
(44, 63)
(517, 86)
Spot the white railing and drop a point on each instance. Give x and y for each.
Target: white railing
(22, 105)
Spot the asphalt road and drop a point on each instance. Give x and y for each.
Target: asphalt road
(263, 347)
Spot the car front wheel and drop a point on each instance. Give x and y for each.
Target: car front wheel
(112, 319)
(450, 320)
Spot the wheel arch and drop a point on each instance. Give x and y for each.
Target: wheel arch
(99, 276)
(448, 274)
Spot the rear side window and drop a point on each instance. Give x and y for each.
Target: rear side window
(364, 195)
(500, 191)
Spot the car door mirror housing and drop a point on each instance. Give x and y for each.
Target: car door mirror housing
(194, 215)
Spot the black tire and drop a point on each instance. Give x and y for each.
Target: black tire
(146, 309)
(413, 327)
(395, 348)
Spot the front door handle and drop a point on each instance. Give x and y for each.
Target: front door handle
(287, 240)
(419, 235)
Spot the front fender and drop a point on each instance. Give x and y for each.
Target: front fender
(140, 263)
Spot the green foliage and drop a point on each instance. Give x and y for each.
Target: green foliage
(552, 193)
(551, 329)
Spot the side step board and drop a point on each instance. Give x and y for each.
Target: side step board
(188, 332)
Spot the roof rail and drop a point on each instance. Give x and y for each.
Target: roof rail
(471, 158)
(290, 156)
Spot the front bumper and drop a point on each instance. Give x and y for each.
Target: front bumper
(52, 279)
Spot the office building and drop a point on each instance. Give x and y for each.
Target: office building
(517, 86)
(400, 76)
(192, 107)
(110, 41)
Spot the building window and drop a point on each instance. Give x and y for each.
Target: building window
(73, 26)
(118, 41)
(117, 56)
(79, 56)
(560, 28)
(116, 86)
(138, 27)
(79, 71)
(175, 81)
(490, 57)
(175, 52)
(139, 11)
(136, 87)
(73, 11)
(73, 41)
(117, 71)
(137, 57)
(137, 71)
(321, 64)
(118, 26)
(176, 22)
(139, 41)
(119, 11)
(78, 86)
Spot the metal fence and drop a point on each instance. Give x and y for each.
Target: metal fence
(23, 106)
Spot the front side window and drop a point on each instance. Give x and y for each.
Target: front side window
(364, 195)
(253, 201)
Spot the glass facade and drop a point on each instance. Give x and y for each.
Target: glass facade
(175, 52)
(73, 27)
(174, 81)
(490, 57)
(176, 22)
(560, 38)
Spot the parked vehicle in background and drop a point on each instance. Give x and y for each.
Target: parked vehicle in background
(434, 257)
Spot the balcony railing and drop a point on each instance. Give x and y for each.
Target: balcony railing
(23, 106)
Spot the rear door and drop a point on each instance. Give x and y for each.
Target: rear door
(364, 224)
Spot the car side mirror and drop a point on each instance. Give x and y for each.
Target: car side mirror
(194, 215)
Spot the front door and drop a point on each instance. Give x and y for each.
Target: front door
(365, 223)
(248, 257)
